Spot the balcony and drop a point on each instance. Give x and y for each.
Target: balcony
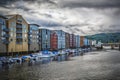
(5, 41)
(19, 37)
(29, 37)
(20, 31)
(18, 26)
(39, 34)
(39, 42)
(19, 21)
(18, 42)
(29, 42)
(29, 33)
(6, 35)
(6, 29)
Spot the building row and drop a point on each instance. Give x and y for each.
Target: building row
(17, 36)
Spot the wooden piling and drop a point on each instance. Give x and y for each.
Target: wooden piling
(119, 47)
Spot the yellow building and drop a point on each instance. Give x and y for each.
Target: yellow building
(18, 31)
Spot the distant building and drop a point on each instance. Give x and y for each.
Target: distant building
(67, 40)
(61, 39)
(45, 39)
(33, 38)
(3, 35)
(18, 34)
(86, 42)
(90, 42)
(53, 40)
(81, 41)
(77, 41)
(72, 41)
(94, 42)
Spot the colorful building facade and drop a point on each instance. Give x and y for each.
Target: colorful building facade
(61, 39)
(81, 41)
(3, 35)
(45, 39)
(33, 38)
(67, 40)
(18, 31)
(77, 41)
(53, 40)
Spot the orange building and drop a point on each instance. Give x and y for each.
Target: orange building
(81, 41)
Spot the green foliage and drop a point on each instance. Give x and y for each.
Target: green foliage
(106, 37)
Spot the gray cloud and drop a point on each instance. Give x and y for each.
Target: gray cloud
(91, 3)
(74, 16)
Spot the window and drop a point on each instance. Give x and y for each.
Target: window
(3, 38)
(25, 35)
(3, 33)
(11, 34)
(30, 35)
(11, 39)
(11, 29)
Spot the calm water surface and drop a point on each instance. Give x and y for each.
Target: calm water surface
(98, 65)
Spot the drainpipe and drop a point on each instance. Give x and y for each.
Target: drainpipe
(112, 46)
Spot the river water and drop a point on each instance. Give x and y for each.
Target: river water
(97, 65)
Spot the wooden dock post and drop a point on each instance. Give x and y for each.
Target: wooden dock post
(119, 47)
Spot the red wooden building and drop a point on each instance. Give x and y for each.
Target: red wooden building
(81, 41)
(53, 40)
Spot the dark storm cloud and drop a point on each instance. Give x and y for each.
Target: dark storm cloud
(7, 2)
(82, 16)
(92, 3)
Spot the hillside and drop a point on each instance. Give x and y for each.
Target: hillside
(106, 37)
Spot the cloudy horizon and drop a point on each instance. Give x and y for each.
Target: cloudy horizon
(82, 17)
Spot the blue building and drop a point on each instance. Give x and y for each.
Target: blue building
(3, 35)
(77, 41)
(45, 39)
(86, 42)
(61, 39)
(33, 36)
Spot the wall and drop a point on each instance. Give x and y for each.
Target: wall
(45, 36)
(81, 41)
(13, 46)
(3, 47)
(33, 37)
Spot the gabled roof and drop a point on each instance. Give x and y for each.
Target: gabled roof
(10, 16)
(35, 24)
(2, 16)
(13, 15)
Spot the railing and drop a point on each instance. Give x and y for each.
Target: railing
(19, 42)
(29, 37)
(29, 42)
(29, 33)
(6, 41)
(18, 26)
(6, 29)
(18, 31)
(19, 37)
(39, 42)
(6, 35)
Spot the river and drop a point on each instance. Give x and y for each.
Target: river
(96, 65)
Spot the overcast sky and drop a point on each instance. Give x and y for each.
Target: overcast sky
(82, 17)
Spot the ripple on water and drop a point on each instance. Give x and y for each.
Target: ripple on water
(104, 65)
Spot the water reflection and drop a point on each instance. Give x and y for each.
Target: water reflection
(103, 65)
